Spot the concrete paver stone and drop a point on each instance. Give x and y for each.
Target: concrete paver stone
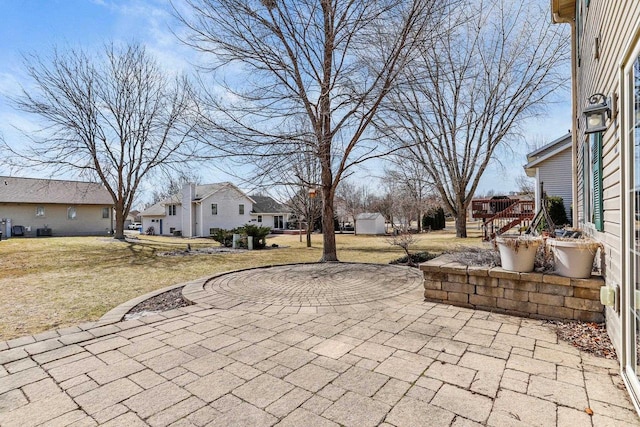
(308, 345)
(214, 385)
(410, 412)
(311, 377)
(263, 390)
(361, 381)
(244, 415)
(354, 410)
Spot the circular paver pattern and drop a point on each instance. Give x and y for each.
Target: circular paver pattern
(311, 285)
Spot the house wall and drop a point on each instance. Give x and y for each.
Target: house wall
(172, 221)
(613, 22)
(556, 175)
(152, 221)
(228, 217)
(88, 220)
(267, 219)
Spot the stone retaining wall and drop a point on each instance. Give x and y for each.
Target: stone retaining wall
(535, 295)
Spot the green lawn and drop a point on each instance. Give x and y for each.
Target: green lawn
(56, 282)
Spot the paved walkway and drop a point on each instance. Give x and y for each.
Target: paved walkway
(289, 354)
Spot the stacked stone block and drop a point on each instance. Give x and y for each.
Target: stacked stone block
(537, 295)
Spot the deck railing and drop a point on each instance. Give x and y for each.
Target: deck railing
(501, 215)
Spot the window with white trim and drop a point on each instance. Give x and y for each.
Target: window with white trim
(72, 213)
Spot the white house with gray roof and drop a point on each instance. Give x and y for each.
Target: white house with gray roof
(198, 210)
(42, 207)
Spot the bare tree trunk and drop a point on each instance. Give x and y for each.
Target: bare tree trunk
(461, 221)
(119, 229)
(309, 224)
(329, 252)
(329, 237)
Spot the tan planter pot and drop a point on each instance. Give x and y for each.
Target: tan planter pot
(518, 254)
(574, 258)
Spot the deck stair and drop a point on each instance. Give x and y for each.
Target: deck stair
(502, 214)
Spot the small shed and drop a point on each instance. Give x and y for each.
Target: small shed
(370, 223)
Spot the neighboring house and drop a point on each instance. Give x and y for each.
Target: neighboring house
(32, 207)
(370, 223)
(605, 52)
(551, 166)
(198, 210)
(266, 212)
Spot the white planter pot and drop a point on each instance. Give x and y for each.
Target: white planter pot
(574, 259)
(517, 254)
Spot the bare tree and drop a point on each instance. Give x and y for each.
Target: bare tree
(113, 118)
(353, 199)
(299, 181)
(471, 89)
(413, 184)
(173, 185)
(328, 63)
(526, 185)
(384, 204)
(404, 241)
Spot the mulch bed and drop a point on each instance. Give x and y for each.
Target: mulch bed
(201, 251)
(163, 302)
(586, 336)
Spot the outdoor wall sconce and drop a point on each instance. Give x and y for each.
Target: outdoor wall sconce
(597, 113)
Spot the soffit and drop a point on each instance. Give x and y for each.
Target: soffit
(563, 10)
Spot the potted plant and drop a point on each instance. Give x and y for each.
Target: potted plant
(518, 253)
(574, 255)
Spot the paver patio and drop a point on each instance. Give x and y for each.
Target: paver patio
(309, 345)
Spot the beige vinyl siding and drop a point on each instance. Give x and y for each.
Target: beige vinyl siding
(612, 21)
(88, 222)
(555, 174)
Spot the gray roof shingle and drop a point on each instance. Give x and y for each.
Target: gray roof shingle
(52, 191)
(265, 204)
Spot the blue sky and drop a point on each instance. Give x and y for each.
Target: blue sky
(35, 26)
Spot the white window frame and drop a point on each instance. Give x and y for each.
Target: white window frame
(72, 213)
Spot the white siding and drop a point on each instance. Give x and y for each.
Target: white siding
(370, 226)
(555, 174)
(613, 22)
(172, 221)
(228, 217)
